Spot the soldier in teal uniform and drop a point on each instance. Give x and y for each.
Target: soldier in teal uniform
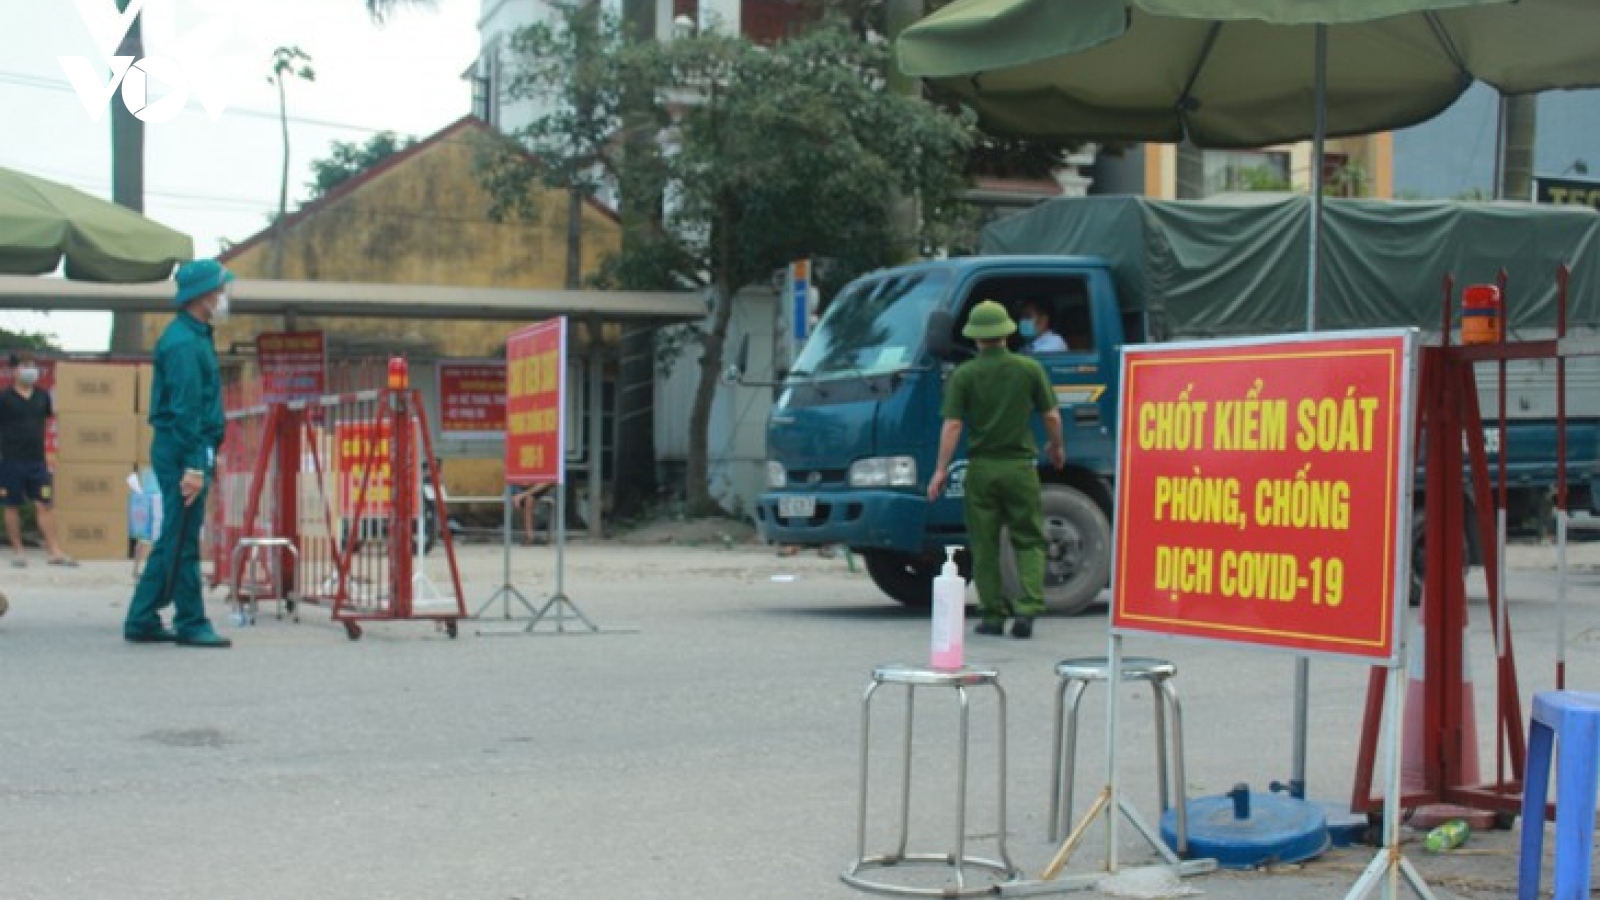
(186, 416)
(996, 395)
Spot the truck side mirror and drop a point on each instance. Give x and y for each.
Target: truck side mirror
(938, 340)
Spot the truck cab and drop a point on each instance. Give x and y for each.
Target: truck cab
(853, 436)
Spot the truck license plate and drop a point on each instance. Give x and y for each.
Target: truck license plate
(800, 507)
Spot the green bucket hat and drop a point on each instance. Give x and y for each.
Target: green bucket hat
(989, 320)
(198, 278)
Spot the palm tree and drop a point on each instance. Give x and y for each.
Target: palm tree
(284, 62)
(381, 9)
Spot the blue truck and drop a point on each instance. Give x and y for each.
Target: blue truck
(853, 432)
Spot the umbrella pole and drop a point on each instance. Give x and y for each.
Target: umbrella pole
(1302, 665)
(1318, 135)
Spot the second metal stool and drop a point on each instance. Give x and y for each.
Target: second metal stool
(1075, 675)
(913, 678)
(245, 555)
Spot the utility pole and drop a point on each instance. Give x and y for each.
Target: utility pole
(634, 445)
(127, 180)
(1520, 114)
(898, 14)
(1190, 171)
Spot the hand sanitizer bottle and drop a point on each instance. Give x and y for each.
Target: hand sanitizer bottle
(949, 611)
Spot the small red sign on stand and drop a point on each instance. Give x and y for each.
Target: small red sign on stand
(536, 403)
(1261, 491)
(294, 366)
(472, 399)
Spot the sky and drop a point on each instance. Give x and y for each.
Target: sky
(217, 180)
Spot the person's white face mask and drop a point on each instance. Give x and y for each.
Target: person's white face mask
(27, 375)
(219, 310)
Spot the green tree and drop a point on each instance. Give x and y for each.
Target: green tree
(25, 340)
(347, 159)
(287, 62)
(764, 156)
(569, 67)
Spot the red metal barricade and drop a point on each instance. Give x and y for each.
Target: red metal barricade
(338, 480)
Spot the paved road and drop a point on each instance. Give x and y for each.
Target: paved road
(704, 749)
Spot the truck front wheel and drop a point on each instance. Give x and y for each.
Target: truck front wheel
(1077, 560)
(905, 577)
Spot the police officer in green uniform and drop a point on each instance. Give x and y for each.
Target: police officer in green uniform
(996, 395)
(186, 415)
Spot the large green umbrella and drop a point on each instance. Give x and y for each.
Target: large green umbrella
(1239, 73)
(43, 222)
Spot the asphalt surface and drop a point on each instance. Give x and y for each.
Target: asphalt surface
(703, 747)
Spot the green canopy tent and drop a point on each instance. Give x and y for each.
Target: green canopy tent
(44, 223)
(1242, 73)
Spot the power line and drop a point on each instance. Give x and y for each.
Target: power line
(100, 184)
(23, 79)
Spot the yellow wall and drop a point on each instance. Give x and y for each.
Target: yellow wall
(422, 220)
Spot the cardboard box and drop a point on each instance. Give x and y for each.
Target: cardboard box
(97, 438)
(93, 535)
(92, 487)
(141, 397)
(95, 388)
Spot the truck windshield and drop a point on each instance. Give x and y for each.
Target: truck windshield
(875, 327)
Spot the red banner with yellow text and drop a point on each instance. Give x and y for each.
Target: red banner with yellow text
(536, 403)
(366, 479)
(1262, 489)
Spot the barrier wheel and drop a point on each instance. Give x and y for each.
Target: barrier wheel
(450, 629)
(352, 631)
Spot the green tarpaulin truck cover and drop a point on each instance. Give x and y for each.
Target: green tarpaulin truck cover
(1216, 268)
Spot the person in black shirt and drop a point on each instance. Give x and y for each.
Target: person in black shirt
(24, 475)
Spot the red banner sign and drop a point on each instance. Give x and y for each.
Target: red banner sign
(472, 399)
(536, 403)
(364, 446)
(1261, 491)
(294, 365)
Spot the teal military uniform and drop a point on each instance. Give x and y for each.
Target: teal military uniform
(996, 396)
(187, 419)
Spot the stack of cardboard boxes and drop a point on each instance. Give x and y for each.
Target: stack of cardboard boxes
(101, 438)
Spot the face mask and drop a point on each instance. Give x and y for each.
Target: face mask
(1027, 329)
(219, 312)
(27, 375)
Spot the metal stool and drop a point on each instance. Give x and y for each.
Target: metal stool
(247, 607)
(1075, 675)
(913, 678)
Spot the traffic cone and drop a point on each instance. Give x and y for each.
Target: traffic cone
(1413, 767)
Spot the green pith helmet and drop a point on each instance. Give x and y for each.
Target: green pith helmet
(989, 320)
(198, 278)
